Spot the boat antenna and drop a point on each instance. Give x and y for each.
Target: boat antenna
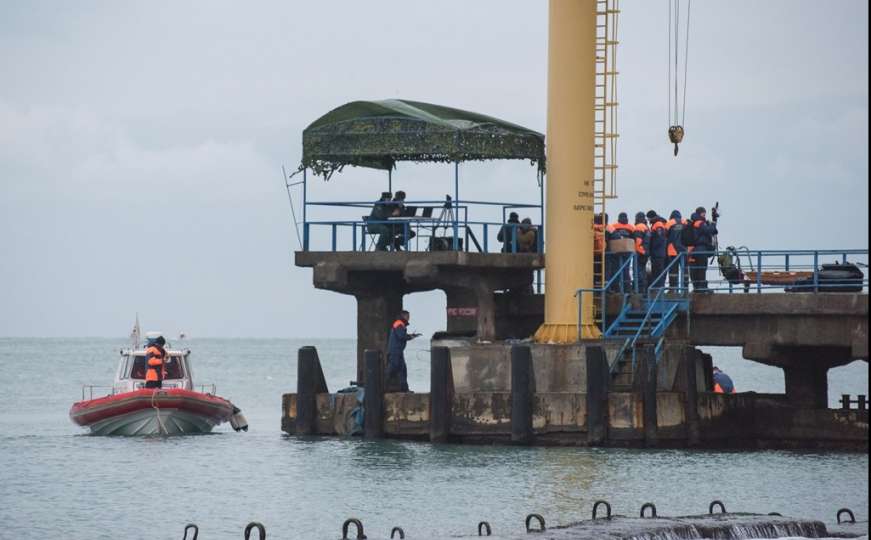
(135, 333)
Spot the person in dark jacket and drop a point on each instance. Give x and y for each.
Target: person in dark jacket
(402, 233)
(507, 233)
(621, 246)
(380, 212)
(658, 248)
(397, 370)
(703, 249)
(642, 250)
(676, 248)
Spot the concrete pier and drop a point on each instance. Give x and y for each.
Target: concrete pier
(582, 394)
(478, 287)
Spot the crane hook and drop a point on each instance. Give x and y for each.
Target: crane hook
(675, 135)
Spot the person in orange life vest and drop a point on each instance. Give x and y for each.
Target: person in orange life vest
(397, 370)
(703, 249)
(658, 247)
(621, 245)
(642, 250)
(674, 227)
(155, 355)
(600, 221)
(723, 383)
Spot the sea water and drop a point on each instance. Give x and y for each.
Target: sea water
(58, 482)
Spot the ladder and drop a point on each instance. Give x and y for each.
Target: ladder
(605, 107)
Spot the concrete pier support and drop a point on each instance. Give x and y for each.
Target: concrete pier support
(522, 392)
(440, 394)
(598, 381)
(376, 311)
(310, 382)
(648, 381)
(807, 385)
(373, 402)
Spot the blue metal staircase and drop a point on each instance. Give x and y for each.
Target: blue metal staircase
(638, 324)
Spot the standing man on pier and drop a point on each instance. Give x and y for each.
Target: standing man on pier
(397, 370)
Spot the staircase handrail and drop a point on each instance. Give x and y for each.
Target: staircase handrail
(579, 293)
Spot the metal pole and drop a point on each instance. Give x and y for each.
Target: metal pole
(390, 180)
(456, 204)
(305, 209)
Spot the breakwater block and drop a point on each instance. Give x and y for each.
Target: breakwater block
(718, 526)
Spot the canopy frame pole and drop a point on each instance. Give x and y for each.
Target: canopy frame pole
(390, 181)
(305, 228)
(456, 205)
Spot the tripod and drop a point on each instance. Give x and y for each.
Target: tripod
(445, 219)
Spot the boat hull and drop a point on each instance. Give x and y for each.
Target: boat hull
(152, 412)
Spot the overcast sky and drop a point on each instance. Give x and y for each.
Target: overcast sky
(141, 143)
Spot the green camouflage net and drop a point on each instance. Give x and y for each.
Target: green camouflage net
(378, 134)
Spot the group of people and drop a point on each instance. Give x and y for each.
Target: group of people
(527, 235)
(393, 236)
(656, 242)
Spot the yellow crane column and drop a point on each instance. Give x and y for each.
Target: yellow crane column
(571, 85)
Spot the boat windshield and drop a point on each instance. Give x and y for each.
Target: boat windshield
(172, 368)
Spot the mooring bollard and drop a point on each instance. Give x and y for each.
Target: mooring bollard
(373, 399)
(539, 519)
(395, 531)
(651, 507)
(194, 528)
(521, 394)
(261, 530)
(847, 511)
(596, 506)
(484, 526)
(357, 523)
(597, 395)
(716, 503)
(310, 382)
(441, 389)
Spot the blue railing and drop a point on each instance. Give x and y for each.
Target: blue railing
(446, 226)
(759, 271)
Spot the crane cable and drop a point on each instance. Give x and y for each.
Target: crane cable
(677, 116)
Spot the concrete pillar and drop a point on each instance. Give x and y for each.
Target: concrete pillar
(376, 311)
(522, 394)
(486, 330)
(310, 382)
(373, 401)
(807, 384)
(440, 394)
(647, 375)
(598, 379)
(689, 363)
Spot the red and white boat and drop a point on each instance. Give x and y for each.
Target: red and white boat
(177, 408)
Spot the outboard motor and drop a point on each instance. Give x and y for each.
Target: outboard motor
(238, 421)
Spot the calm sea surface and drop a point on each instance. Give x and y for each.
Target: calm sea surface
(56, 482)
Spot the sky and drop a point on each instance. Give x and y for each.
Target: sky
(141, 143)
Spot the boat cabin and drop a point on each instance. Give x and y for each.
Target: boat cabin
(132, 367)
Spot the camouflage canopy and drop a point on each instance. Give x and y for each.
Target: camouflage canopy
(377, 134)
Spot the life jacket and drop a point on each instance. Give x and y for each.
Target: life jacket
(641, 230)
(154, 360)
(672, 251)
(598, 238)
(719, 389)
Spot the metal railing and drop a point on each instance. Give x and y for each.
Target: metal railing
(757, 271)
(450, 218)
(89, 388)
